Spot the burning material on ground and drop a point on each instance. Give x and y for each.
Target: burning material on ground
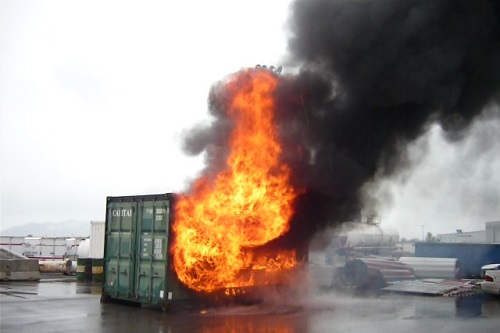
(225, 218)
(305, 147)
(288, 155)
(369, 78)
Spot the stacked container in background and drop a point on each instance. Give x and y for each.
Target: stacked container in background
(91, 254)
(96, 250)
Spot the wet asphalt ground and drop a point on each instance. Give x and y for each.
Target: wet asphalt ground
(65, 305)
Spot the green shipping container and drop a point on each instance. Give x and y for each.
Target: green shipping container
(136, 265)
(97, 270)
(84, 269)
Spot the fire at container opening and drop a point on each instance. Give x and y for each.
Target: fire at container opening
(373, 77)
(222, 238)
(224, 219)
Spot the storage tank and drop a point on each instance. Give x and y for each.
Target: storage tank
(355, 235)
(72, 244)
(84, 263)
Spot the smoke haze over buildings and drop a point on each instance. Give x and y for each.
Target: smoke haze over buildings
(372, 77)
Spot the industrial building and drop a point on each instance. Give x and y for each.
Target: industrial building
(491, 234)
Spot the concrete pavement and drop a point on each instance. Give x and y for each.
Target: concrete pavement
(64, 305)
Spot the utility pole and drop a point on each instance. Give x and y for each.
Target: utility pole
(423, 239)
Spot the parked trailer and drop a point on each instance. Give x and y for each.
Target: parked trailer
(137, 265)
(471, 256)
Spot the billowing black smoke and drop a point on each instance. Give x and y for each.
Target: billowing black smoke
(374, 74)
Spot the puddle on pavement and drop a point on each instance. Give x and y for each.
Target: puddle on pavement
(93, 288)
(477, 305)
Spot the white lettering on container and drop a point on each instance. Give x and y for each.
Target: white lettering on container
(158, 249)
(121, 212)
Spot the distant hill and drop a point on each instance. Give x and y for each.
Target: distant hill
(58, 229)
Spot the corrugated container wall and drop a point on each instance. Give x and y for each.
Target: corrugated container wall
(97, 234)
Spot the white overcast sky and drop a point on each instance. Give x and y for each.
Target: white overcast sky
(94, 97)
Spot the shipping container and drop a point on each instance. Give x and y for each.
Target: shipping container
(136, 264)
(97, 231)
(470, 256)
(96, 251)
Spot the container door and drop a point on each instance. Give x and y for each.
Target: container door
(152, 260)
(120, 249)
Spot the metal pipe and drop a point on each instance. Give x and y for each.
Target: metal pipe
(65, 266)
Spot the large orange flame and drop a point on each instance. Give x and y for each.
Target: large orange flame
(246, 206)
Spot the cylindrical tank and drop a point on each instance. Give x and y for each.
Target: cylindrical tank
(83, 249)
(367, 235)
(84, 263)
(56, 266)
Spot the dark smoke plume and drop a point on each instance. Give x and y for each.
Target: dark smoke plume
(374, 74)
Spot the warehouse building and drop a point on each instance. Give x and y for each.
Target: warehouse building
(491, 234)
